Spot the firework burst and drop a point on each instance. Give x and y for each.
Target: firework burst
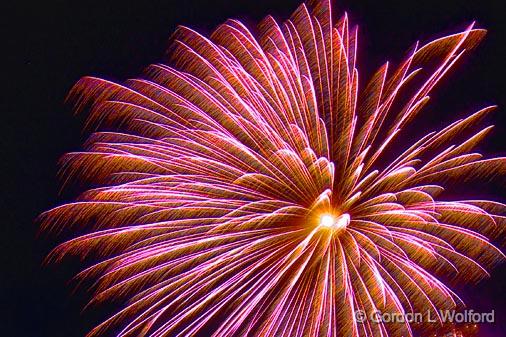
(244, 190)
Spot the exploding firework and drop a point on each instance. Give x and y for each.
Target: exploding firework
(244, 189)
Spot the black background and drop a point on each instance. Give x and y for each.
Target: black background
(51, 44)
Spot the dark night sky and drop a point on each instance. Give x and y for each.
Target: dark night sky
(50, 45)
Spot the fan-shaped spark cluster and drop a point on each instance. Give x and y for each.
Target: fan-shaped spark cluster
(245, 190)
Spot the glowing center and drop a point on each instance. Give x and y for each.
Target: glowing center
(329, 221)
